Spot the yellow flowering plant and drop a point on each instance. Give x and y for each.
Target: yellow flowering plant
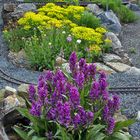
(106, 46)
(62, 27)
(87, 34)
(94, 52)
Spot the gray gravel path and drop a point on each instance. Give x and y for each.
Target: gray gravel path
(13, 71)
(9, 68)
(131, 40)
(130, 102)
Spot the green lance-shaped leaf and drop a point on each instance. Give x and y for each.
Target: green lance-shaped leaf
(95, 131)
(121, 124)
(22, 133)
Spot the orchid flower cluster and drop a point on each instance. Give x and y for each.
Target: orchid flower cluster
(72, 100)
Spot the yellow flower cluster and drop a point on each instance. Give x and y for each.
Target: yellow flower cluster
(88, 34)
(101, 30)
(30, 18)
(95, 48)
(52, 15)
(58, 12)
(108, 41)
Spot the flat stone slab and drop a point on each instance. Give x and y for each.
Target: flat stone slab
(100, 67)
(111, 58)
(23, 90)
(119, 67)
(134, 71)
(105, 68)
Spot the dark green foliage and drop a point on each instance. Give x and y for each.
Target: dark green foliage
(89, 20)
(126, 15)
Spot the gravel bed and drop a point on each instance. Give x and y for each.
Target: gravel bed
(12, 70)
(130, 39)
(130, 102)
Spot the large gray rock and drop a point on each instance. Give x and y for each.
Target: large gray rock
(133, 7)
(26, 7)
(9, 7)
(133, 71)
(21, 9)
(11, 102)
(22, 90)
(117, 48)
(106, 69)
(111, 58)
(116, 44)
(66, 67)
(8, 112)
(9, 91)
(60, 61)
(110, 21)
(119, 67)
(2, 91)
(19, 58)
(100, 67)
(94, 8)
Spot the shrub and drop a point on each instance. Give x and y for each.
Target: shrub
(126, 15)
(15, 38)
(89, 20)
(74, 106)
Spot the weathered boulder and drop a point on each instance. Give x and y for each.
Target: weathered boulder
(22, 90)
(117, 47)
(108, 57)
(2, 91)
(9, 7)
(110, 21)
(8, 14)
(60, 61)
(66, 67)
(133, 7)
(119, 67)
(8, 113)
(26, 7)
(134, 71)
(19, 59)
(94, 8)
(9, 91)
(100, 67)
(10, 102)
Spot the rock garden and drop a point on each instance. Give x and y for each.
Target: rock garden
(69, 70)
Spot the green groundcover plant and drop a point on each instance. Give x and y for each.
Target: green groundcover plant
(75, 106)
